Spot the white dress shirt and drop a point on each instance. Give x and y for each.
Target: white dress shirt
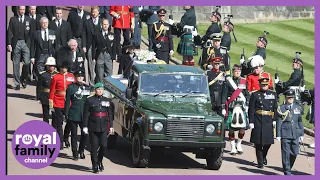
(42, 34)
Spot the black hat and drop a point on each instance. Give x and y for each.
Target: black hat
(263, 40)
(216, 36)
(161, 12)
(79, 74)
(216, 14)
(264, 80)
(289, 93)
(64, 64)
(64, 54)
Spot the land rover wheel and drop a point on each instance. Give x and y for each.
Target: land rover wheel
(214, 159)
(140, 154)
(112, 141)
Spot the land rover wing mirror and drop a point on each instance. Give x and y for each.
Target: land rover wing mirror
(129, 93)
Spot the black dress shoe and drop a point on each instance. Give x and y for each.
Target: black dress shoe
(17, 88)
(95, 169)
(82, 156)
(24, 84)
(260, 166)
(101, 168)
(75, 157)
(66, 142)
(265, 162)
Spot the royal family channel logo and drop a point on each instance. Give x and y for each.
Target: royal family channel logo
(36, 144)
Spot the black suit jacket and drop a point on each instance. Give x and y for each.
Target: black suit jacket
(78, 64)
(63, 34)
(100, 43)
(76, 23)
(49, 11)
(13, 31)
(36, 22)
(90, 32)
(37, 44)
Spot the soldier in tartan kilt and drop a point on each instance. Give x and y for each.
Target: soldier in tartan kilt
(186, 46)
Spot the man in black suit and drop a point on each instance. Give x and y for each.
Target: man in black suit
(104, 51)
(36, 24)
(77, 18)
(19, 42)
(47, 11)
(43, 45)
(77, 57)
(62, 29)
(91, 26)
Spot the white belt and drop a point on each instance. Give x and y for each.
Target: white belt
(294, 87)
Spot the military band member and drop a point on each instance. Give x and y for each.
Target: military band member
(226, 38)
(19, 43)
(76, 96)
(290, 131)
(61, 28)
(91, 26)
(77, 18)
(236, 97)
(262, 117)
(104, 51)
(98, 111)
(257, 63)
(261, 51)
(216, 80)
(186, 46)
(294, 80)
(43, 87)
(78, 57)
(44, 43)
(308, 98)
(162, 38)
(58, 87)
(123, 21)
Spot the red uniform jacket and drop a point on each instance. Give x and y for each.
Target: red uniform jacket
(58, 87)
(253, 81)
(126, 17)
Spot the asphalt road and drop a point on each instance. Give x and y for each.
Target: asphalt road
(23, 107)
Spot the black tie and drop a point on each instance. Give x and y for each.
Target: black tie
(33, 17)
(105, 35)
(45, 35)
(20, 19)
(58, 23)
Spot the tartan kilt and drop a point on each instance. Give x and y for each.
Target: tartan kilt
(229, 119)
(186, 46)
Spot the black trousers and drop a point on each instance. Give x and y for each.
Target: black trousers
(73, 125)
(57, 123)
(67, 131)
(98, 140)
(163, 55)
(261, 152)
(126, 38)
(45, 113)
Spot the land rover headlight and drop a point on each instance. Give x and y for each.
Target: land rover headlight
(210, 128)
(158, 126)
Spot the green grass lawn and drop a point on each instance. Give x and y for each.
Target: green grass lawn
(285, 38)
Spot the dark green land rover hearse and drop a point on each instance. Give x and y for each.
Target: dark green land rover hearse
(166, 107)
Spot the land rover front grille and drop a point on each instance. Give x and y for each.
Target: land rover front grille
(185, 129)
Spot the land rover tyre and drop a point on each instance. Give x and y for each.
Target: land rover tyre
(112, 141)
(140, 154)
(214, 159)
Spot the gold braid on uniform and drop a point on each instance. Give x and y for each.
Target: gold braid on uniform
(160, 30)
(283, 115)
(210, 53)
